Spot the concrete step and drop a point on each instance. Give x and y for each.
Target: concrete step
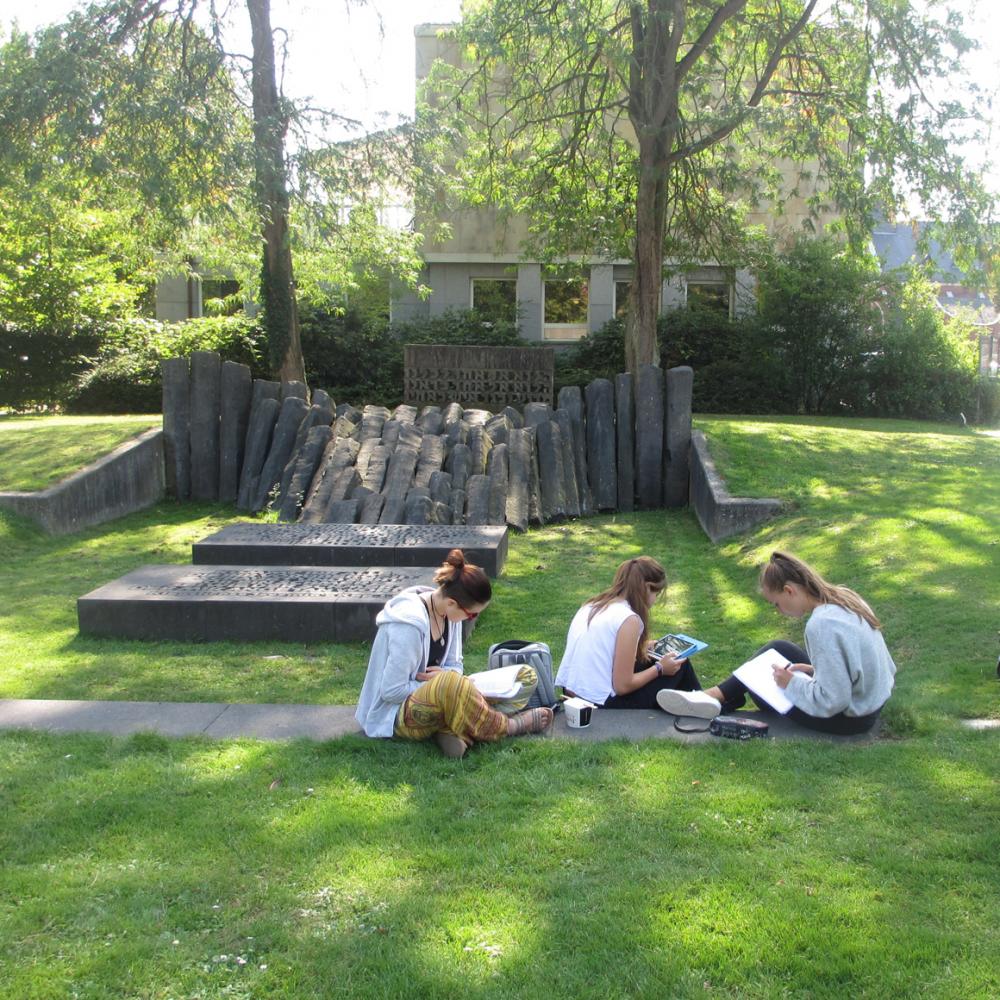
(398, 545)
(245, 603)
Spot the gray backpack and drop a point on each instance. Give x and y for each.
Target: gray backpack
(535, 654)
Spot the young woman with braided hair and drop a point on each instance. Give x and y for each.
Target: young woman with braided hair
(608, 659)
(414, 687)
(839, 685)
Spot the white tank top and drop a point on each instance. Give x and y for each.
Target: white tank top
(590, 651)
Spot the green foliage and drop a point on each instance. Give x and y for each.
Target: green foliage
(125, 377)
(38, 367)
(358, 358)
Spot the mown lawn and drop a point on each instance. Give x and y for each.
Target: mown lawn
(153, 868)
(36, 452)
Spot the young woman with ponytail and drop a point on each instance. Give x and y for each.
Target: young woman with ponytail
(607, 658)
(840, 684)
(414, 687)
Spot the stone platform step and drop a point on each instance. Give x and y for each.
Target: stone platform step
(244, 603)
(398, 545)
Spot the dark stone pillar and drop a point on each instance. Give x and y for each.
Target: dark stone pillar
(432, 454)
(206, 369)
(393, 510)
(452, 415)
(315, 416)
(677, 439)
(405, 413)
(480, 444)
(342, 512)
(625, 440)
(600, 398)
(372, 423)
(440, 486)
(649, 437)
(177, 425)
(418, 509)
(498, 477)
(306, 464)
(571, 400)
(263, 417)
(371, 508)
(477, 504)
(457, 506)
(235, 388)
(537, 413)
(399, 476)
(431, 420)
(339, 454)
(570, 493)
(322, 399)
(519, 465)
(378, 463)
(459, 464)
(550, 469)
(293, 411)
(457, 433)
(515, 419)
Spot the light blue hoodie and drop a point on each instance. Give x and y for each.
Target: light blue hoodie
(400, 651)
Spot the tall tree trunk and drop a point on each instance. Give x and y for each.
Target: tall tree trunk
(641, 345)
(281, 318)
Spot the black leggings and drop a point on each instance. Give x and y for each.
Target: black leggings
(734, 696)
(645, 697)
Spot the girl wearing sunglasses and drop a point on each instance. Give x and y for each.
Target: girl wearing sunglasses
(414, 687)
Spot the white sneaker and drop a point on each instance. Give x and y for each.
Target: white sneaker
(693, 703)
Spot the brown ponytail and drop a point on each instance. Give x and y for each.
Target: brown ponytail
(464, 583)
(631, 581)
(783, 568)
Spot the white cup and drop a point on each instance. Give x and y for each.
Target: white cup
(578, 712)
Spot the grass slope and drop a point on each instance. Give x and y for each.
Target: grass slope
(186, 869)
(36, 452)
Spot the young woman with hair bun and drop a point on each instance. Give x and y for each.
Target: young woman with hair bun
(839, 683)
(414, 687)
(608, 659)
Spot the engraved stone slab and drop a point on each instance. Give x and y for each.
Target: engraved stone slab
(245, 603)
(299, 544)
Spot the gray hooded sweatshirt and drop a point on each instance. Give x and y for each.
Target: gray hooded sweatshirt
(400, 651)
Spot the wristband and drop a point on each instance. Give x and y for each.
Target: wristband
(659, 668)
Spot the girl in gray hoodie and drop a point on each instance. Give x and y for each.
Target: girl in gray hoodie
(839, 683)
(414, 687)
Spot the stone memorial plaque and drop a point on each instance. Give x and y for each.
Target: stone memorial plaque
(245, 603)
(252, 544)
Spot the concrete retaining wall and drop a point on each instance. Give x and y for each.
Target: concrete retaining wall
(721, 515)
(128, 479)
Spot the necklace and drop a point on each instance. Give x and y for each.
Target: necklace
(436, 617)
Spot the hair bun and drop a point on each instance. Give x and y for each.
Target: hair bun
(456, 558)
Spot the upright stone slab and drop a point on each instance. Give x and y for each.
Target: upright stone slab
(321, 397)
(306, 464)
(418, 509)
(498, 476)
(431, 420)
(457, 433)
(537, 413)
(571, 400)
(293, 411)
(440, 486)
(519, 464)
(457, 507)
(570, 493)
(345, 428)
(294, 388)
(393, 510)
(342, 512)
(476, 418)
(550, 469)
(236, 386)
(498, 428)
(206, 370)
(405, 413)
(452, 414)
(339, 454)
(649, 437)
(625, 440)
(459, 464)
(344, 482)
(600, 397)
(352, 413)
(677, 436)
(515, 419)
(535, 514)
(399, 476)
(480, 444)
(245, 603)
(263, 417)
(177, 425)
(432, 455)
(375, 470)
(315, 416)
(477, 502)
(372, 423)
(371, 509)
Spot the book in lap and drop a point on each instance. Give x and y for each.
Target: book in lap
(682, 646)
(758, 675)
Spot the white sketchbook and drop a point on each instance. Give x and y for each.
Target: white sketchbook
(499, 683)
(758, 675)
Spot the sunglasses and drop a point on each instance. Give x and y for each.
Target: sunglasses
(469, 615)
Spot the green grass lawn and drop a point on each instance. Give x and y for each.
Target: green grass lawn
(153, 868)
(36, 452)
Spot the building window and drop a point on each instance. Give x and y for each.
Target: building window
(495, 299)
(565, 310)
(220, 297)
(712, 295)
(622, 291)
